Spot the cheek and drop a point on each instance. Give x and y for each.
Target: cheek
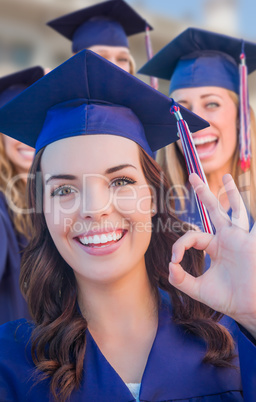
(230, 131)
(135, 201)
(10, 152)
(127, 68)
(124, 65)
(56, 227)
(60, 217)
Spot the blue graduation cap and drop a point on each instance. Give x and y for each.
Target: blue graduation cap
(89, 95)
(198, 58)
(13, 84)
(107, 23)
(201, 58)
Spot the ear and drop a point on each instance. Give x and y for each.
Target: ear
(153, 210)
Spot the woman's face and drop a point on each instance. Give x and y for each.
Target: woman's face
(216, 144)
(97, 205)
(118, 55)
(19, 154)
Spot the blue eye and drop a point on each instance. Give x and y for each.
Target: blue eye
(121, 181)
(62, 191)
(212, 105)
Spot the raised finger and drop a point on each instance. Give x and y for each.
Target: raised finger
(197, 240)
(183, 281)
(217, 214)
(239, 214)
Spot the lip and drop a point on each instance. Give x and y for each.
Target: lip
(104, 249)
(100, 232)
(206, 149)
(27, 153)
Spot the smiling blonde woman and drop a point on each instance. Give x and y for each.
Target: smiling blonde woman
(203, 69)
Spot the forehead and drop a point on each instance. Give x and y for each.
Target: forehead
(200, 91)
(109, 49)
(89, 153)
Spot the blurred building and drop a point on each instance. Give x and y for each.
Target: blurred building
(222, 16)
(26, 41)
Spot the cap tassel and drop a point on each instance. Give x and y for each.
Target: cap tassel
(244, 135)
(193, 165)
(153, 80)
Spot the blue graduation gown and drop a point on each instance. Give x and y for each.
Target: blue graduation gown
(174, 370)
(12, 303)
(191, 215)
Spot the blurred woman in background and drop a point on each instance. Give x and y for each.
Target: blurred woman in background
(103, 28)
(203, 70)
(15, 161)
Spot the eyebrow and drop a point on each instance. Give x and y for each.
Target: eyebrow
(182, 101)
(72, 177)
(61, 177)
(119, 167)
(205, 96)
(202, 97)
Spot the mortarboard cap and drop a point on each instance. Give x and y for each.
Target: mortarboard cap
(89, 95)
(107, 23)
(201, 58)
(13, 84)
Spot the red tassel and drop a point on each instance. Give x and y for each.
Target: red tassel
(193, 165)
(244, 135)
(153, 80)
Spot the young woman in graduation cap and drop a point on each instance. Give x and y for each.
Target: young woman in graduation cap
(208, 75)
(15, 161)
(104, 28)
(115, 316)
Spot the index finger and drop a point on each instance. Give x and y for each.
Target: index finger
(239, 213)
(217, 214)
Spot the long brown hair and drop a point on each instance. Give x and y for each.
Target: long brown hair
(48, 283)
(17, 194)
(173, 164)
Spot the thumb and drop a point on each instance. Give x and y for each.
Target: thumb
(183, 281)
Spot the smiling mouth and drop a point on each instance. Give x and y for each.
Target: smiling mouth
(101, 240)
(26, 152)
(205, 145)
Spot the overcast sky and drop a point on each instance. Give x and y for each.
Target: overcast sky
(194, 10)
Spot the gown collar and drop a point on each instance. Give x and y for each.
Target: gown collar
(174, 368)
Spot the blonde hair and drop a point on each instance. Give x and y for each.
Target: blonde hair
(15, 194)
(132, 64)
(173, 163)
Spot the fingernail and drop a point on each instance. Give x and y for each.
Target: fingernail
(170, 272)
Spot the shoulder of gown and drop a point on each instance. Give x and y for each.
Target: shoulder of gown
(174, 370)
(12, 303)
(17, 370)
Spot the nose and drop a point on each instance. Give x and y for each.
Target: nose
(197, 109)
(112, 59)
(200, 111)
(96, 202)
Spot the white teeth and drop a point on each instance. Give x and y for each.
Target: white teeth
(96, 239)
(103, 239)
(204, 140)
(84, 240)
(100, 239)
